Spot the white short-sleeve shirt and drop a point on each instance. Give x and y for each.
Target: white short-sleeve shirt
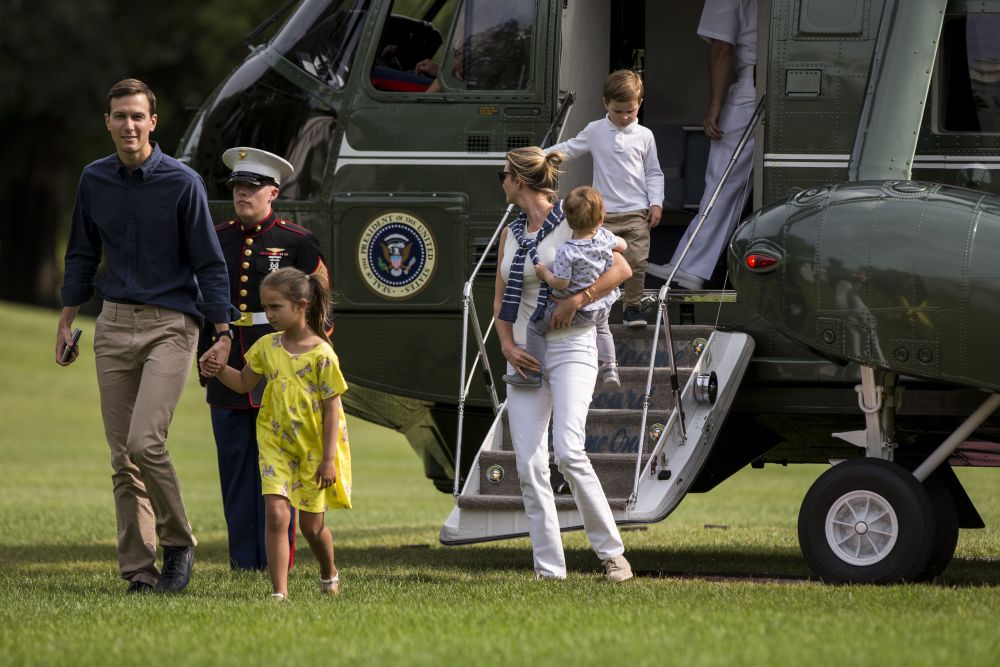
(733, 21)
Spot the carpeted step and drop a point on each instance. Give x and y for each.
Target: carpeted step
(632, 344)
(498, 474)
(633, 386)
(611, 431)
(563, 502)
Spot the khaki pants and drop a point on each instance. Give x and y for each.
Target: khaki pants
(634, 228)
(144, 355)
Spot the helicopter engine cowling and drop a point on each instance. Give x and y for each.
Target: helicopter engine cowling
(898, 275)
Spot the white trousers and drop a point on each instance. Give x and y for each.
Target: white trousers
(720, 223)
(570, 370)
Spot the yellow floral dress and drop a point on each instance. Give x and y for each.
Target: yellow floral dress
(290, 423)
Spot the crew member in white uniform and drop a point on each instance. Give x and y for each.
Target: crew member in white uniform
(730, 28)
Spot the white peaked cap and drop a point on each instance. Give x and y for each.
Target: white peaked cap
(257, 167)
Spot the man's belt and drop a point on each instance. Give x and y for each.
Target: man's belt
(250, 319)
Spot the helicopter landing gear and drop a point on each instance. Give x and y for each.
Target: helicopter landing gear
(868, 521)
(946, 538)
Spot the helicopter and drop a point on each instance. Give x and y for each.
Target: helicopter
(396, 115)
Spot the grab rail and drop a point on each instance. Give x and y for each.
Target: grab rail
(469, 308)
(664, 317)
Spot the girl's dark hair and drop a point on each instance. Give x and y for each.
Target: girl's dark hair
(294, 285)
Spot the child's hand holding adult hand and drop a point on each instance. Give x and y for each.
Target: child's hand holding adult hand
(209, 365)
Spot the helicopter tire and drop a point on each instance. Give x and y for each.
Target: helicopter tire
(947, 528)
(867, 521)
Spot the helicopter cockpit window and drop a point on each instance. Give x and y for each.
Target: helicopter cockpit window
(969, 90)
(410, 47)
(260, 108)
(323, 37)
(491, 46)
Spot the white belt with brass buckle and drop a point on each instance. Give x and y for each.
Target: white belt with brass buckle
(250, 319)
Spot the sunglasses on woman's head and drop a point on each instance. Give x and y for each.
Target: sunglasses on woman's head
(503, 175)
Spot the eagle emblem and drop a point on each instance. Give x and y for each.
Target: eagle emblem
(396, 252)
(396, 255)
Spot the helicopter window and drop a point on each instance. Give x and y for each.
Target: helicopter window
(410, 45)
(969, 89)
(266, 111)
(323, 38)
(491, 46)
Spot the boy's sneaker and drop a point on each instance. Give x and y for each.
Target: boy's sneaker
(617, 569)
(633, 318)
(533, 380)
(609, 376)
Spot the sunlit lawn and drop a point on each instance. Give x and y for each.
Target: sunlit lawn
(407, 600)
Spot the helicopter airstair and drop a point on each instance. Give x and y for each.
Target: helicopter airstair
(646, 446)
(647, 441)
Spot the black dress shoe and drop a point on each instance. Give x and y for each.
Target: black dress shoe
(138, 587)
(177, 562)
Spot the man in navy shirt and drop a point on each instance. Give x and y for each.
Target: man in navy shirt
(147, 215)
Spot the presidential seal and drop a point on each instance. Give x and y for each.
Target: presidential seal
(396, 255)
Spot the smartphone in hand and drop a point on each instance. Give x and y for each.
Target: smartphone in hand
(67, 352)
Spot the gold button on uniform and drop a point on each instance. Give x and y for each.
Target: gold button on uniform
(243, 292)
(243, 279)
(249, 241)
(257, 228)
(243, 306)
(248, 252)
(246, 265)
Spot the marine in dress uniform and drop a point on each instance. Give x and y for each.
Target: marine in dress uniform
(252, 248)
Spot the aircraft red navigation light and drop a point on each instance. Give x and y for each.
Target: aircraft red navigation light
(761, 263)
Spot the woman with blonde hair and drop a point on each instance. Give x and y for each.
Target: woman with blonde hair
(529, 180)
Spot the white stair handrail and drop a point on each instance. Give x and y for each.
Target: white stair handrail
(663, 316)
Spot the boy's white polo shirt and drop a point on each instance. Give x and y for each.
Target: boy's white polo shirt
(626, 168)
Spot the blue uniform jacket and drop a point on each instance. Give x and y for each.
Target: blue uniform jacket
(250, 255)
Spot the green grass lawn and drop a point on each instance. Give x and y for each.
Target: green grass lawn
(409, 601)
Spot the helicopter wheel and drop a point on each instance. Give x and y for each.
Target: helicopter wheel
(867, 521)
(947, 528)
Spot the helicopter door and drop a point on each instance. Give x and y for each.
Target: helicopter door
(452, 85)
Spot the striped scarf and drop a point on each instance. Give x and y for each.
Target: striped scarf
(526, 247)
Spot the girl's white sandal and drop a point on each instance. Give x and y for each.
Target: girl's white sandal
(330, 586)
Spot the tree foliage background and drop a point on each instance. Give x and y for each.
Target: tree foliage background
(58, 58)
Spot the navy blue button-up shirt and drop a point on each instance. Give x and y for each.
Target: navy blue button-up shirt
(154, 228)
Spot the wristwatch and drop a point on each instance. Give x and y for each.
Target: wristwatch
(228, 333)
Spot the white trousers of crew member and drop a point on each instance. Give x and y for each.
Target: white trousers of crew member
(569, 372)
(721, 221)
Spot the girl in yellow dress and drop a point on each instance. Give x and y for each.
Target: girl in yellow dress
(305, 460)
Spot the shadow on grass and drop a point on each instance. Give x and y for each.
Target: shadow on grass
(427, 562)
